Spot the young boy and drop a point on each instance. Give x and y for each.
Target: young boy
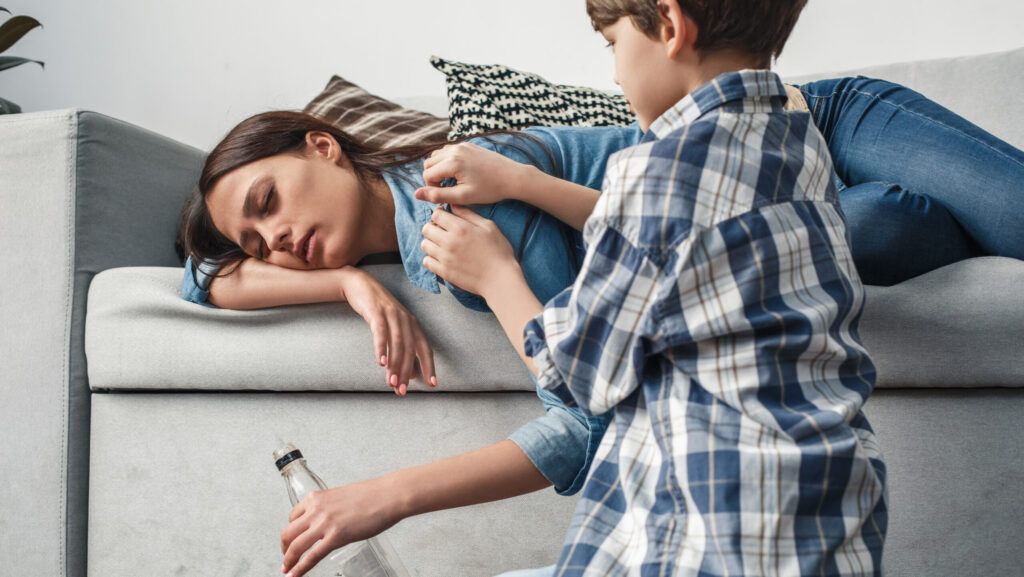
(716, 316)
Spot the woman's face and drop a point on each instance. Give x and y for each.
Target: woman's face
(300, 211)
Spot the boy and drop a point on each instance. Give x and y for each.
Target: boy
(715, 315)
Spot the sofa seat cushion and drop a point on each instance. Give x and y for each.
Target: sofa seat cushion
(958, 326)
(140, 334)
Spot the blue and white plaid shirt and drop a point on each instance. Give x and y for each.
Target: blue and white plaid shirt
(716, 314)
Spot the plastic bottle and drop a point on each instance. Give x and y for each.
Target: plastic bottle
(373, 557)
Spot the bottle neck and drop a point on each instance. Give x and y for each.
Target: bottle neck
(300, 480)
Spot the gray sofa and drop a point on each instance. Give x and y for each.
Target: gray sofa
(137, 429)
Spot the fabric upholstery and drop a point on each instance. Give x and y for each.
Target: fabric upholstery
(958, 326)
(375, 120)
(37, 180)
(483, 97)
(953, 472)
(221, 504)
(142, 335)
(82, 192)
(984, 88)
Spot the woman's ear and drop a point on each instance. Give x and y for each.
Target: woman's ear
(322, 144)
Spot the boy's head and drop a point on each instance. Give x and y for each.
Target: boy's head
(645, 34)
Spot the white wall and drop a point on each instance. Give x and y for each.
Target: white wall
(191, 69)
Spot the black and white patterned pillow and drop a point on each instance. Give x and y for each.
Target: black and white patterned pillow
(484, 97)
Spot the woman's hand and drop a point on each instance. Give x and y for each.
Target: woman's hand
(468, 251)
(398, 339)
(482, 176)
(327, 520)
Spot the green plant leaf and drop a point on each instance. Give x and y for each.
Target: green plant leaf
(12, 61)
(12, 30)
(8, 107)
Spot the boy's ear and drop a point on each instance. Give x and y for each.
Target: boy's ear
(677, 30)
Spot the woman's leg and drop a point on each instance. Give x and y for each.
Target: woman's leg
(883, 132)
(899, 234)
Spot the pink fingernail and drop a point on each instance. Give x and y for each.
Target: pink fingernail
(433, 381)
(383, 360)
(394, 380)
(402, 389)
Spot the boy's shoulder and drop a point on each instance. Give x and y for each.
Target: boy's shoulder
(715, 168)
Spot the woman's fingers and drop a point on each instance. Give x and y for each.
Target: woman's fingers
(379, 331)
(295, 527)
(426, 356)
(397, 352)
(315, 548)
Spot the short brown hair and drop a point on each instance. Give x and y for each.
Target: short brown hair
(757, 27)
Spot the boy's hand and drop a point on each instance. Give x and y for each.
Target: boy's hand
(482, 176)
(468, 251)
(398, 339)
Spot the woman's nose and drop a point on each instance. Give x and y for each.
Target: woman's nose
(275, 235)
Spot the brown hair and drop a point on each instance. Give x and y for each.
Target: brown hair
(757, 27)
(270, 134)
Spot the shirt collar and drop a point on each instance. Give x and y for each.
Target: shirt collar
(743, 91)
(411, 214)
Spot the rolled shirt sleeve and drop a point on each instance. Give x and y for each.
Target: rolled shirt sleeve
(195, 284)
(590, 343)
(562, 443)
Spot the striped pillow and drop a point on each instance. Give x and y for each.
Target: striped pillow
(484, 97)
(374, 120)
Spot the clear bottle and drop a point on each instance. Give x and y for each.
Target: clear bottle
(373, 557)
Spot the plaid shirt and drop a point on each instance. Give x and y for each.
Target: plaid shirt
(716, 314)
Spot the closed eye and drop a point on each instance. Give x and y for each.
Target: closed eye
(265, 209)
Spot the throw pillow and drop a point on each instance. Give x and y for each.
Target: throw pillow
(484, 97)
(373, 119)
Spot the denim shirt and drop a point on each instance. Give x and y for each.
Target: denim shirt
(561, 443)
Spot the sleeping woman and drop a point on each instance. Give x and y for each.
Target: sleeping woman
(288, 204)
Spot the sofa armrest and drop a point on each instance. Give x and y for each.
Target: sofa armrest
(81, 192)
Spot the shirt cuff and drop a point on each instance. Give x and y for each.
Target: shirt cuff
(535, 345)
(195, 285)
(562, 443)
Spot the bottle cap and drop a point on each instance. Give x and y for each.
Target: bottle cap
(286, 455)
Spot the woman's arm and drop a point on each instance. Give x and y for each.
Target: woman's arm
(483, 177)
(326, 520)
(259, 285)
(398, 339)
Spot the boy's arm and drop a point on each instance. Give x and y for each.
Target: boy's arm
(398, 339)
(484, 177)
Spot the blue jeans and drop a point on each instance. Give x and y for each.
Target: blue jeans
(920, 186)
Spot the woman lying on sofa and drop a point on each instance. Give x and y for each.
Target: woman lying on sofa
(283, 193)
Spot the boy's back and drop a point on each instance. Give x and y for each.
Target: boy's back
(720, 294)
